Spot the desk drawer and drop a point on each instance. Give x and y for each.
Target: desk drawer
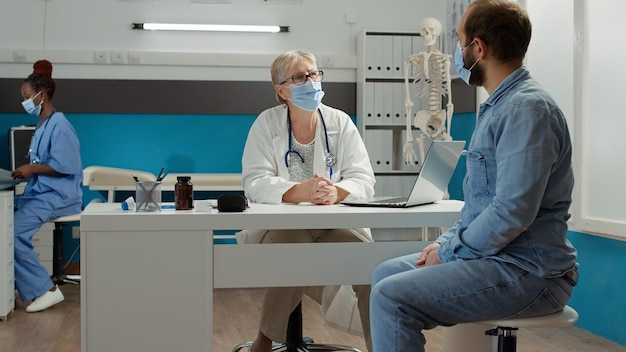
(45, 236)
(44, 252)
(48, 265)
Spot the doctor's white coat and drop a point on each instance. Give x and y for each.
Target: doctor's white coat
(266, 179)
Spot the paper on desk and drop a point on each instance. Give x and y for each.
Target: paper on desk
(205, 205)
(6, 180)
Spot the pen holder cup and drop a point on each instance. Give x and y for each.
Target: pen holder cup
(148, 196)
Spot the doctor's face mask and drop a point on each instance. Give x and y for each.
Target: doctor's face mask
(307, 96)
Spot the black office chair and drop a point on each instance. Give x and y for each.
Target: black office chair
(295, 342)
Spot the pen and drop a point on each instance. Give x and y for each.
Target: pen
(160, 174)
(159, 179)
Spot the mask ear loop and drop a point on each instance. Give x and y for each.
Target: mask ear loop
(475, 62)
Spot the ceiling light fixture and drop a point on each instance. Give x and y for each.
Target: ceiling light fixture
(209, 27)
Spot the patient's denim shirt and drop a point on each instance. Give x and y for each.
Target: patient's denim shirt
(518, 184)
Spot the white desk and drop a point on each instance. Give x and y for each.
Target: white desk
(148, 278)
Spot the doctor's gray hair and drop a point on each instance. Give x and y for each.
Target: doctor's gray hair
(284, 62)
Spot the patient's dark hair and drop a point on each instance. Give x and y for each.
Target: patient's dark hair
(503, 25)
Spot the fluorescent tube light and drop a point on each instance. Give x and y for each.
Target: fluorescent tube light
(209, 27)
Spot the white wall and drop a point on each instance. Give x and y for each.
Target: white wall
(602, 118)
(70, 32)
(575, 53)
(550, 59)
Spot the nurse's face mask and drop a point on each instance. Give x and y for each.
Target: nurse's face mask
(30, 107)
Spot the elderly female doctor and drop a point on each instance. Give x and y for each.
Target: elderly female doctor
(303, 151)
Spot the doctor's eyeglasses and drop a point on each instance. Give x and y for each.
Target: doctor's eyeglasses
(301, 78)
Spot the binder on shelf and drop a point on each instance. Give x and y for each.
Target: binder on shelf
(399, 57)
(398, 109)
(368, 103)
(379, 103)
(387, 110)
(387, 51)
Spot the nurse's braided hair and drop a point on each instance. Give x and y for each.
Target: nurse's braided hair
(41, 78)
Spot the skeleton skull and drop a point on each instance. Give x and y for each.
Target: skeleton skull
(430, 30)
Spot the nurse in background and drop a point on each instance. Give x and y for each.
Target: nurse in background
(303, 151)
(54, 175)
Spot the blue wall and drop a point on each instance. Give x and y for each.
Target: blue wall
(462, 129)
(186, 143)
(599, 296)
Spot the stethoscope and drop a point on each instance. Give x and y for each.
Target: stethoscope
(331, 160)
(43, 129)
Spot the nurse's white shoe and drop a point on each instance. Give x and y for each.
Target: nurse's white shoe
(46, 301)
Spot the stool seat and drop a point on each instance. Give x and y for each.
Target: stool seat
(567, 316)
(477, 337)
(67, 218)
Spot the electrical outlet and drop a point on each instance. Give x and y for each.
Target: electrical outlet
(100, 57)
(134, 58)
(19, 55)
(75, 231)
(328, 61)
(117, 57)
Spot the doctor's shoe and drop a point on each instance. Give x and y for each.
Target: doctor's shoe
(46, 301)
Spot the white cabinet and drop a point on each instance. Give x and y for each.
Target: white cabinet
(381, 114)
(7, 275)
(42, 241)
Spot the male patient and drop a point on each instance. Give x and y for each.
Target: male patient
(508, 255)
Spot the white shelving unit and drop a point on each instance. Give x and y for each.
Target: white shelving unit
(381, 116)
(7, 275)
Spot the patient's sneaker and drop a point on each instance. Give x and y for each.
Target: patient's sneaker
(46, 301)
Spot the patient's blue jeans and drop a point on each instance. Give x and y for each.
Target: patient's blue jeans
(406, 299)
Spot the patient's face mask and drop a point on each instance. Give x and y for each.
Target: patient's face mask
(307, 96)
(30, 107)
(459, 64)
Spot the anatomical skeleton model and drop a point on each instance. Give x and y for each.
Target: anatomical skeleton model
(431, 77)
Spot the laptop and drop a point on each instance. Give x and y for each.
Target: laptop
(432, 181)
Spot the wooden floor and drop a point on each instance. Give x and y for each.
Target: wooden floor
(235, 319)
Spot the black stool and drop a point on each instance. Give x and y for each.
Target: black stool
(58, 275)
(295, 342)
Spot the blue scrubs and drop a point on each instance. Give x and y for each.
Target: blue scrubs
(46, 197)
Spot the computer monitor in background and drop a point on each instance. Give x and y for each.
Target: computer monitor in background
(19, 143)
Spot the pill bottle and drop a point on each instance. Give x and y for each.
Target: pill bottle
(183, 193)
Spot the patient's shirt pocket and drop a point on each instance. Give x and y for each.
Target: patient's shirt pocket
(476, 178)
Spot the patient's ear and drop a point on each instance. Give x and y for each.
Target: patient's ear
(231, 203)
